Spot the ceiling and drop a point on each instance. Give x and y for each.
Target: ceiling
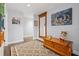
(33, 9)
(29, 11)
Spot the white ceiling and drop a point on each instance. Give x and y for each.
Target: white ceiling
(33, 9)
(29, 11)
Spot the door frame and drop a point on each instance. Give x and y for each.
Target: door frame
(40, 16)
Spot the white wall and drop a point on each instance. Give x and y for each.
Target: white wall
(6, 27)
(36, 30)
(15, 31)
(28, 27)
(73, 30)
(1, 51)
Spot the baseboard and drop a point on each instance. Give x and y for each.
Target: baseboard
(40, 39)
(1, 51)
(5, 44)
(76, 52)
(14, 42)
(36, 37)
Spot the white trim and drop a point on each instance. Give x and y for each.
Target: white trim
(5, 44)
(35, 38)
(14, 42)
(76, 52)
(27, 36)
(1, 51)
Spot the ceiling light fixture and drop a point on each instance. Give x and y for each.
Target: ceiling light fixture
(28, 5)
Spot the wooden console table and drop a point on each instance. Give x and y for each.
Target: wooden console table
(59, 46)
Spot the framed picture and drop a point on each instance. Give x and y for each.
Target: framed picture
(62, 18)
(35, 23)
(15, 21)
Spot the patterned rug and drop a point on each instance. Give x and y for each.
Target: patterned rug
(32, 48)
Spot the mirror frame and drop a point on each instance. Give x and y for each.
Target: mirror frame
(40, 16)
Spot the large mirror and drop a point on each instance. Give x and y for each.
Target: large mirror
(43, 24)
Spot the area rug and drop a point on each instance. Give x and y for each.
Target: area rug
(32, 48)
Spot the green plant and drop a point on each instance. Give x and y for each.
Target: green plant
(2, 9)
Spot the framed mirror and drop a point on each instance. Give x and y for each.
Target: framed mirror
(43, 24)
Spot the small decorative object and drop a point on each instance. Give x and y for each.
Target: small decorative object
(62, 18)
(63, 35)
(49, 37)
(35, 23)
(15, 20)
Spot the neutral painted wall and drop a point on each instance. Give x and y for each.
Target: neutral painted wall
(28, 27)
(73, 30)
(15, 31)
(36, 30)
(6, 26)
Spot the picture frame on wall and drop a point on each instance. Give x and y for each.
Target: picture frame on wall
(35, 23)
(62, 18)
(15, 20)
